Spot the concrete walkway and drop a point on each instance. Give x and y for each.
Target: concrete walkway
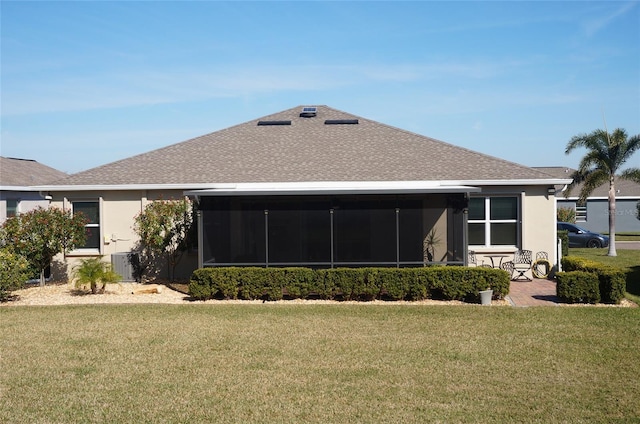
(533, 293)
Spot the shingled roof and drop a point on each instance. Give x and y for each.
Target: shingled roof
(287, 147)
(26, 172)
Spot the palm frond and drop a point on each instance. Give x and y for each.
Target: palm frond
(631, 174)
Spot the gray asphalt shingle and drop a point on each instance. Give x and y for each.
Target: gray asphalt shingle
(26, 172)
(307, 150)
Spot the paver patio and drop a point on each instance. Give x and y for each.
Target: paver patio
(538, 292)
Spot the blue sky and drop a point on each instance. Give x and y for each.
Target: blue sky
(88, 83)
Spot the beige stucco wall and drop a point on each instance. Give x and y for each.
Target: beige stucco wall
(27, 201)
(117, 212)
(537, 222)
(118, 209)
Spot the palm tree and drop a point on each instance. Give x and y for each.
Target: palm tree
(606, 154)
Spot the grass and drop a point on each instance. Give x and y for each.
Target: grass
(627, 236)
(627, 260)
(318, 363)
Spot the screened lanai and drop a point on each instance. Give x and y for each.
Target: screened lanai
(332, 230)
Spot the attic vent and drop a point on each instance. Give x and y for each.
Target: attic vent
(262, 123)
(341, 122)
(309, 112)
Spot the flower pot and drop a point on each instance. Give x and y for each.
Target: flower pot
(485, 297)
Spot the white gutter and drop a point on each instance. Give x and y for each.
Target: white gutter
(128, 187)
(305, 185)
(17, 188)
(523, 182)
(335, 187)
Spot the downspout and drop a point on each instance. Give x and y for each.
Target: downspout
(465, 230)
(200, 237)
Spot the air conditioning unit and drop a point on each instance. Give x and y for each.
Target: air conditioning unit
(121, 264)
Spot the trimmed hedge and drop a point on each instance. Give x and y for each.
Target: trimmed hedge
(578, 287)
(611, 281)
(363, 284)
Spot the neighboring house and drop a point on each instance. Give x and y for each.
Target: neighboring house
(593, 215)
(318, 187)
(17, 178)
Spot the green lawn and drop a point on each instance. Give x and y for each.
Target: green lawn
(627, 236)
(318, 363)
(627, 260)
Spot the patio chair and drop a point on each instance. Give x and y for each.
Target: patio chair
(473, 260)
(508, 266)
(521, 264)
(541, 267)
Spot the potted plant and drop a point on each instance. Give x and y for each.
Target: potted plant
(429, 245)
(485, 296)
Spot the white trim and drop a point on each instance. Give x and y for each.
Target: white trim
(127, 187)
(17, 188)
(353, 187)
(575, 198)
(371, 185)
(524, 182)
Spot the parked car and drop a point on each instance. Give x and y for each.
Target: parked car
(579, 237)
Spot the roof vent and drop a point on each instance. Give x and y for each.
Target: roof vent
(263, 123)
(309, 112)
(341, 122)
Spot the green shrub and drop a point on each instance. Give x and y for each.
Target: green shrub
(14, 272)
(613, 285)
(200, 284)
(365, 284)
(395, 283)
(578, 287)
(612, 282)
(300, 283)
(566, 214)
(252, 282)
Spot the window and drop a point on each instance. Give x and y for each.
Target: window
(581, 213)
(493, 221)
(12, 207)
(91, 212)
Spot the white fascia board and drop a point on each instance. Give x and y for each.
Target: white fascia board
(128, 187)
(336, 187)
(523, 182)
(576, 198)
(17, 188)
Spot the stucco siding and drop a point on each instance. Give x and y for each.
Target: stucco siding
(536, 222)
(27, 200)
(118, 210)
(598, 215)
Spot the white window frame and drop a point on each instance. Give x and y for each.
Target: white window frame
(487, 221)
(17, 210)
(99, 225)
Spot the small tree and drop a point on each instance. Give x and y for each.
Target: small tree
(40, 234)
(567, 215)
(165, 229)
(14, 271)
(93, 271)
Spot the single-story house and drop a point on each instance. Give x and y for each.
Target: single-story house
(593, 215)
(318, 187)
(17, 178)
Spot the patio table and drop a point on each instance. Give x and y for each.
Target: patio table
(501, 257)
